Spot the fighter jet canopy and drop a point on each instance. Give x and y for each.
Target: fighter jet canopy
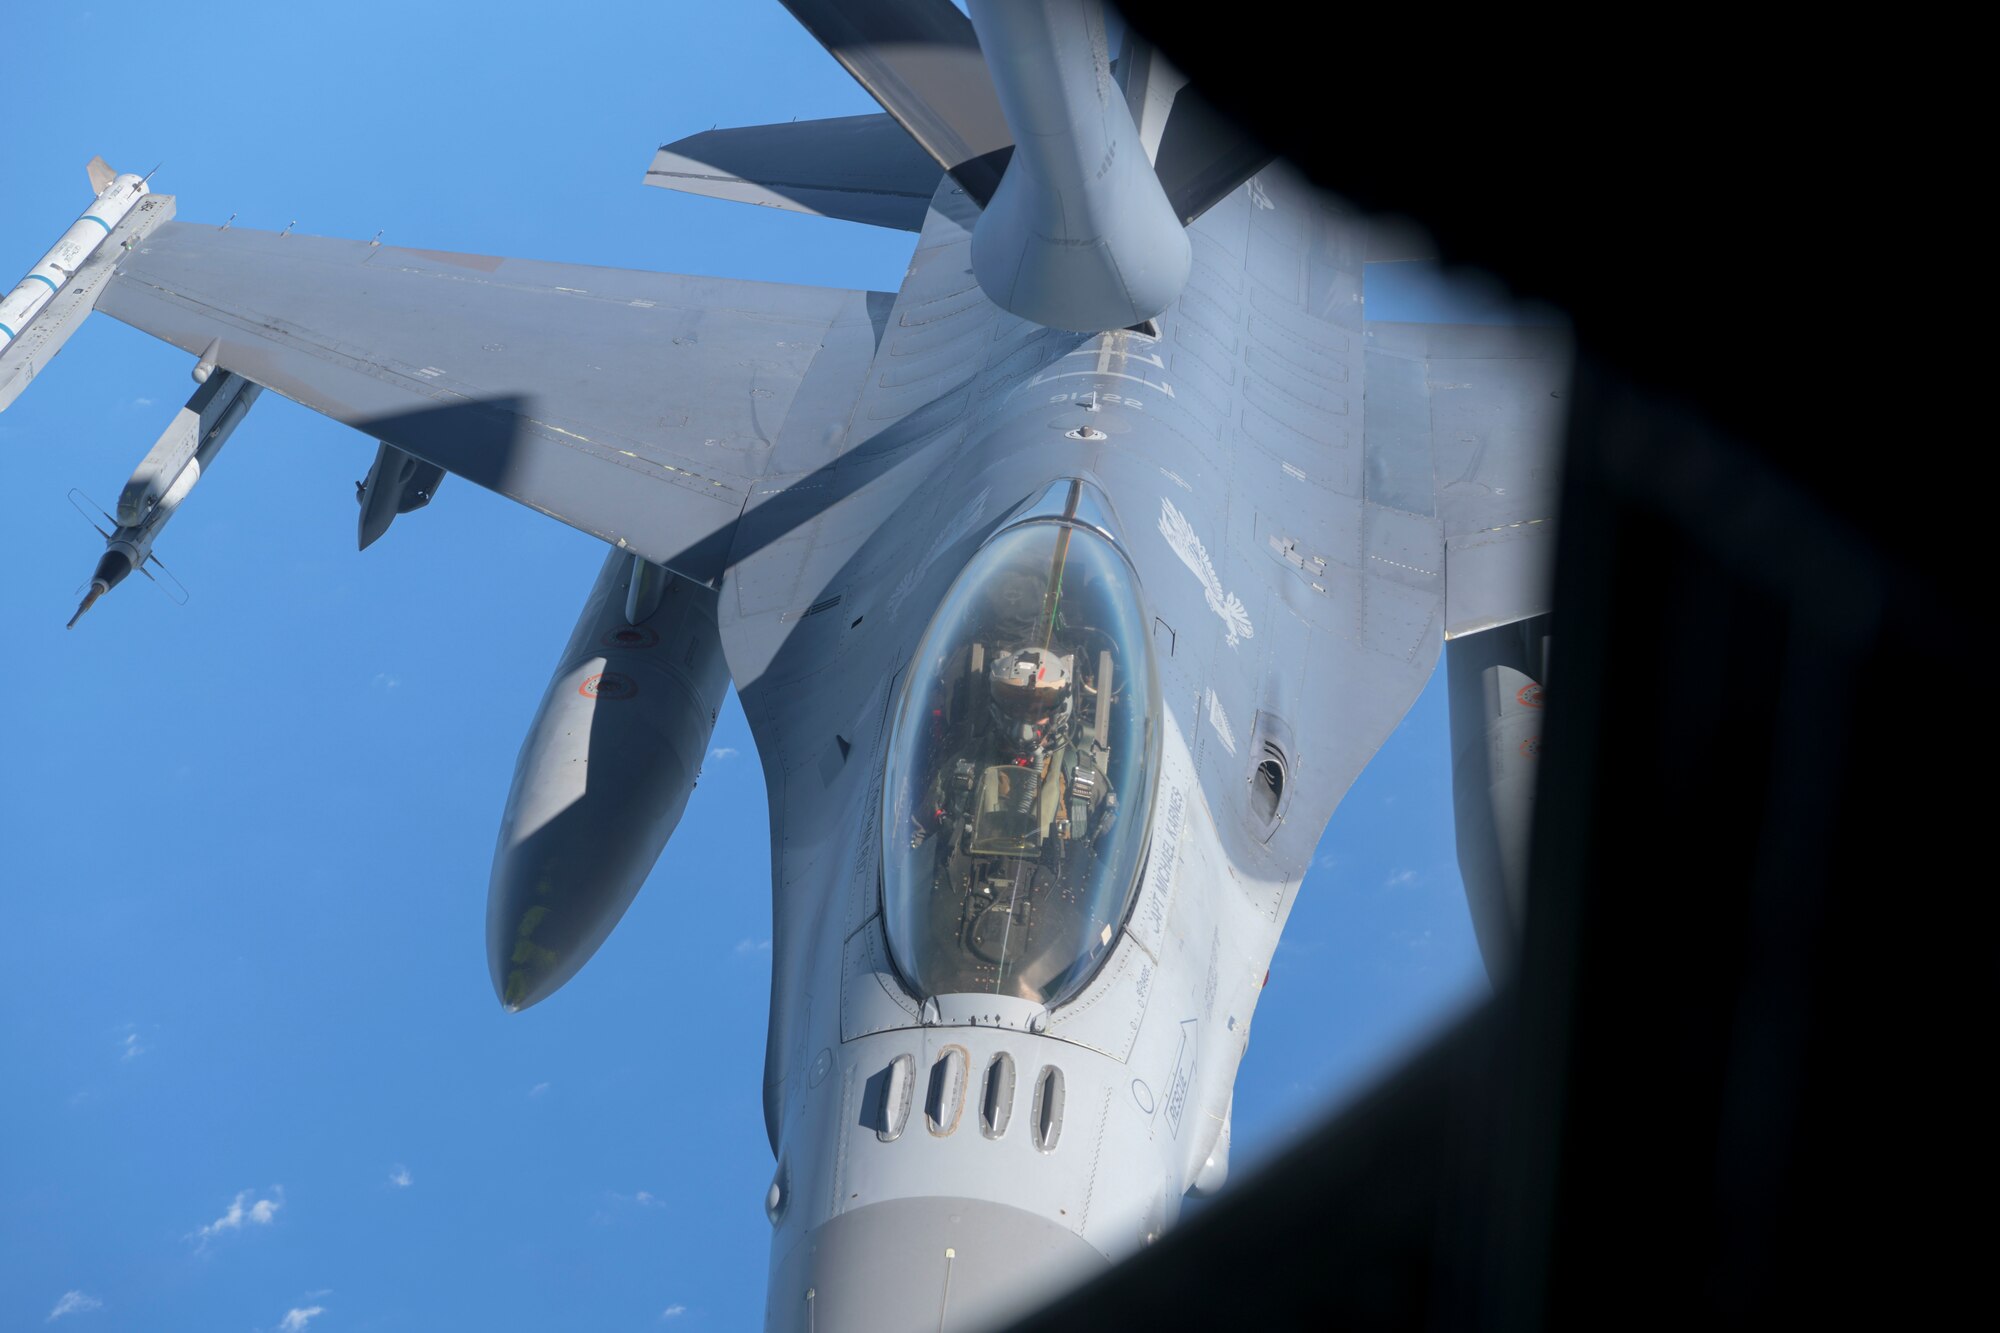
(1020, 771)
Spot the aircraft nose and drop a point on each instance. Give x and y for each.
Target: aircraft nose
(951, 1264)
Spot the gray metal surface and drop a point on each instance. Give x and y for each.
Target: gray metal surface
(921, 61)
(639, 407)
(1080, 233)
(1498, 699)
(397, 483)
(1486, 402)
(609, 762)
(1203, 156)
(952, 1265)
(1291, 607)
(860, 168)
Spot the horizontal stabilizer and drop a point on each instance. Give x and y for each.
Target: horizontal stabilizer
(858, 168)
(921, 60)
(1398, 240)
(1203, 156)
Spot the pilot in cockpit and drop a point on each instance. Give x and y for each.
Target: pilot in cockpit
(1017, 744)
(1022, 778)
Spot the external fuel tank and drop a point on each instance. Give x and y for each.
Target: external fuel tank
(604, 773)
(1497, 681)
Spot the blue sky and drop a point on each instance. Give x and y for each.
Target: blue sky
(255, 1074)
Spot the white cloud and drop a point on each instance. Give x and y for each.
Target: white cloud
(673, 1312)
(538, 1089)
(744, 947)
(142, 402)
(385, 681)
(617, 1206)
(129, 1047)
(76, 1302)
(259, 1213)
(722, 752)
(400, 1177)
(1400, 878)
(295, 1319)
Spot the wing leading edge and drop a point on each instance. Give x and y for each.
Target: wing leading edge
(638, 407)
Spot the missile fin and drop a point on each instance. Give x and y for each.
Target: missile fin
(78, 500)
(177, 593)
(101, 175)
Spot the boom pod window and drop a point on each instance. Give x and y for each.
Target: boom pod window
(1020, 770)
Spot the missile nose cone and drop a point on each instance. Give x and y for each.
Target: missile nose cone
(98, 587)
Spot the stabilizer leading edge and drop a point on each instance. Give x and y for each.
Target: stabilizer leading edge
(857, 168)
(921, 60)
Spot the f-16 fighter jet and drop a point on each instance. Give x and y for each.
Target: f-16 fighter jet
(1067, 590)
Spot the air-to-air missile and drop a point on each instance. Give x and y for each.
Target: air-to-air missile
(168, 472)
(115, 196)
(38, 316)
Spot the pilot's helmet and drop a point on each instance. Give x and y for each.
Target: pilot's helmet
(1030, 689)
(1014, 604)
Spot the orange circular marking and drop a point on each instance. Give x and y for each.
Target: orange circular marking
(1529, 695)
(608, 685)
(1531, 748)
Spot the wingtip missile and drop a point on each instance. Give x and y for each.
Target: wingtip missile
(19, 307)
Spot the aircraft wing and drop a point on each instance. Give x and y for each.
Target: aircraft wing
(639, 407)
(1484, 404)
